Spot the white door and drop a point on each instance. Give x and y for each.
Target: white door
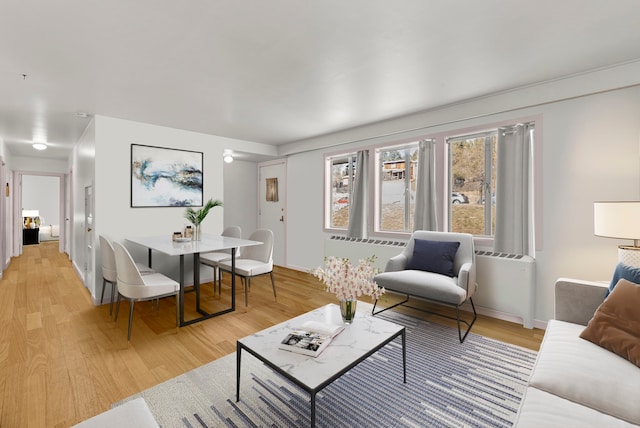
(271, 206)
(3, 218)
(88, 237)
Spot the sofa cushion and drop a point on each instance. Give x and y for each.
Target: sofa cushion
(615, 326)
(433, 256)
(623, 271)
(134, 413)
(541, 409)
(580, 371)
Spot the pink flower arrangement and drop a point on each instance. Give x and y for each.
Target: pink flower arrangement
(349, 282)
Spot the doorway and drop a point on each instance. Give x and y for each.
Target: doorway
(272, 203)
(39, 191)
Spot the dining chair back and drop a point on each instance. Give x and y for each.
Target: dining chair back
(255, 260)
(212, 259)
(134, 286)
(109, 274)
(109, 270)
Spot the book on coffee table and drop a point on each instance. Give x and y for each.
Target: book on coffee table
(311, 338)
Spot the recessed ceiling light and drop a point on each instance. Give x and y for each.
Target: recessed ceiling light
(228, 157)
(39, 146)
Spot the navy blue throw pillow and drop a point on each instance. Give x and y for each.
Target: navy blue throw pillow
(433, 256)
(624, 271)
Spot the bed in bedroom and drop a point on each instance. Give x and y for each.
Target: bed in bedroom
(50, 232)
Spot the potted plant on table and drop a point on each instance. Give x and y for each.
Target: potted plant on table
(348, 282)
(196, 217)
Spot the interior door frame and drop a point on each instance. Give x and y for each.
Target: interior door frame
(17, 207)
(282, 195)
(3, 218)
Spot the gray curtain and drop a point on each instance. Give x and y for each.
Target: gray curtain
(514, 216)
(359, 199)
(425, 208)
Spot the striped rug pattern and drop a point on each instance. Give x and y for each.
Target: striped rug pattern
(475, 384)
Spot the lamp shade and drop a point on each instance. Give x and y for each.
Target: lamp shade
(617, 219)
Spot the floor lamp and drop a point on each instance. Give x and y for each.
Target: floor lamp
(620, 220)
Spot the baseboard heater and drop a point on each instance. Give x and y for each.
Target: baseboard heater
(355, 249)
(506, 282)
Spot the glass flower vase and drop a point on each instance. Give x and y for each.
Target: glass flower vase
(348, 310)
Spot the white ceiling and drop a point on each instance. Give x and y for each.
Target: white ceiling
(278, 71)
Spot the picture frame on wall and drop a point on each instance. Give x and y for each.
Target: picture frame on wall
(165, 177)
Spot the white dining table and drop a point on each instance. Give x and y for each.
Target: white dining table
(208, 243)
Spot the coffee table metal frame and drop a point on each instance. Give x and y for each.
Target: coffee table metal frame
(265, 342)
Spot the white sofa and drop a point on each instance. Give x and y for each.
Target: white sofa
(575, 383)
(134, 413)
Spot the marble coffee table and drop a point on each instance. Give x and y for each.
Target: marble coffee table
(359, 340)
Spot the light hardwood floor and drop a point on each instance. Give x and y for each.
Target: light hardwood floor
(63, 360)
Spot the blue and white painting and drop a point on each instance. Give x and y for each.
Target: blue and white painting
(162, 177)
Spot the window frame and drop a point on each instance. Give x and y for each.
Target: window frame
(350, 157)
(407, 147)
(488, 184)
(443, 180)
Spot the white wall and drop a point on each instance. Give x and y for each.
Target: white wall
(41, 192)
(29, 164)
(590, 152)
(114, 216)
(240, 196)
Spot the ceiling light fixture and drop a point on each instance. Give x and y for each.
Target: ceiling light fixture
(39, 146)
(228, 157)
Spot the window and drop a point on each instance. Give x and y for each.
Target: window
(341, 170)
(465, 169)
(397, 173)
(472, 182)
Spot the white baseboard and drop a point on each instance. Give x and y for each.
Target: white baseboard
(78, 271)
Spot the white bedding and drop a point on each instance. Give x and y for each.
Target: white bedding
(49, 232)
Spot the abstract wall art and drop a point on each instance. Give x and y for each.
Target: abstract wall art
(162, 177)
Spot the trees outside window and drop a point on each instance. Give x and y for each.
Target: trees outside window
(473, 174)
(396, 187)
(342, 171)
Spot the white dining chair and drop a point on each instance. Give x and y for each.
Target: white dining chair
(212, 259)
(255, 260)
(134, 286)
(109, 274)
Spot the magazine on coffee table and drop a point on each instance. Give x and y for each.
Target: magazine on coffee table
(311, 338)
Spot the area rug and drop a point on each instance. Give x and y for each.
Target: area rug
(475, 384)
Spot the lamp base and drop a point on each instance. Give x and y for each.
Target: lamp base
(629, 255)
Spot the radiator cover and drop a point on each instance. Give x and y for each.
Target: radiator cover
(506, 282)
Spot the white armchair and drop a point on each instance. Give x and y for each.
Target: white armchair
(434, 266)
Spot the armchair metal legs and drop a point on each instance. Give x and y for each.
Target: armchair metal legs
(469, 325)
(457, 318)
